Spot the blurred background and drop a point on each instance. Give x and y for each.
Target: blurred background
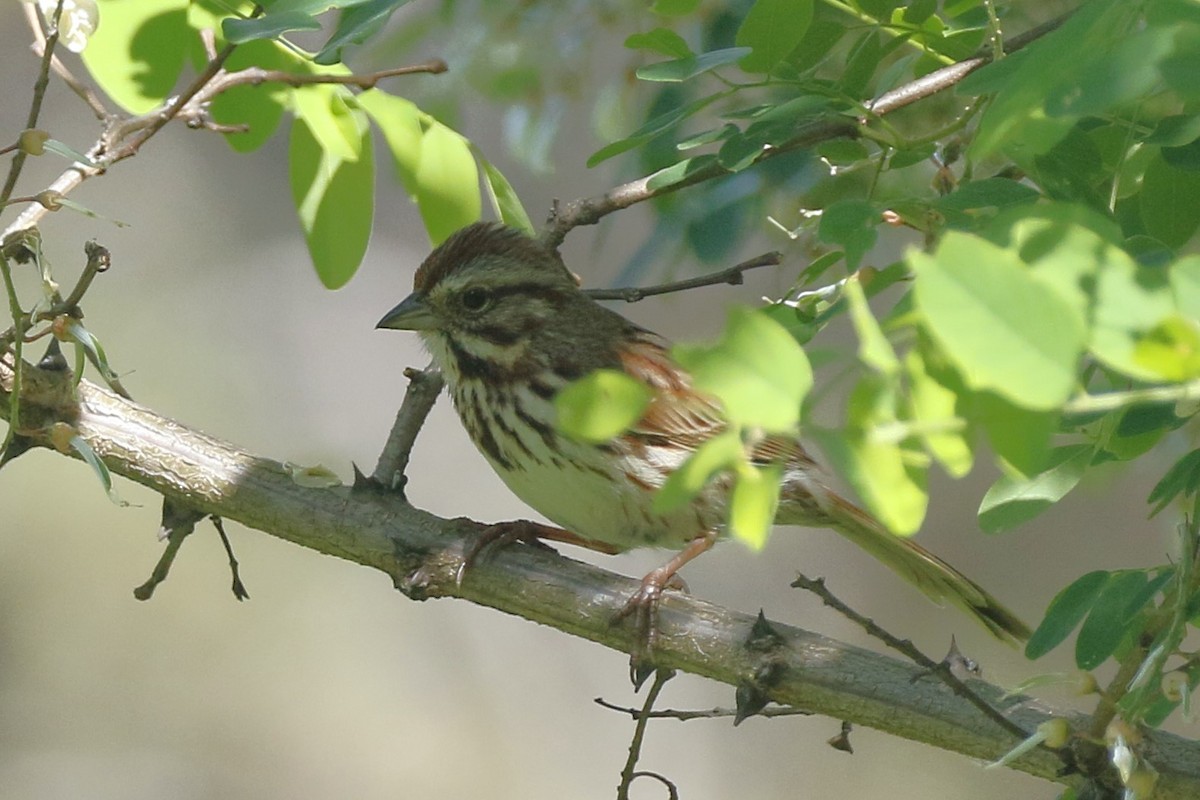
(329, 683)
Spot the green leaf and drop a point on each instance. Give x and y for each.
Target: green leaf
(934, 409)
(720, 452)
(447, 183)
(67, 152)
(1185, 286)
(674, 8)
(757, 370)
(1024, 80)
(1003, 328)
(1110, 619)
(842, 152)
(1012, 501)
(355, 25)
(95, 353)
(874, 349)
(1130, 300)
(660, 40)
(680, 171)
(136, 55)
(85, 451)
(1066, 610)
(400, 122)
(504, 198)
(600, 406)
(682, 69)
(861, 64)
(334, 199)
(1171, 348)
(772, 29)
(649, 130)
(1183, 478)
(1019, 436)
(1126, 71)
(1168, 202)
(268, 26)
(1175, 131)
(998, 193)
(708, 137)
(259, 108)
(891, 488)
(851, 224)
(752, 504)
(325, 112)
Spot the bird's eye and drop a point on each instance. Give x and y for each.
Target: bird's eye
(475, 299)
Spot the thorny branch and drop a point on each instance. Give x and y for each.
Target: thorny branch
(940, 669)
(421, 553)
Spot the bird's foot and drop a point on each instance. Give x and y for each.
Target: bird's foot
(527, 532)
(642, 606)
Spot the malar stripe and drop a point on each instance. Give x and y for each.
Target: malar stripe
(542, 390)
(471, 366)
(540, 427)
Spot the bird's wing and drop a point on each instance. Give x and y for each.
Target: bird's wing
(683, 415)
(677, 414)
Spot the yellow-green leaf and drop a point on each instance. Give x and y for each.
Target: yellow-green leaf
(600, 406)
(753, 502)
(447, 183)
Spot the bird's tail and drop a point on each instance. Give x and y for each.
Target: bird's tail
(819, 506)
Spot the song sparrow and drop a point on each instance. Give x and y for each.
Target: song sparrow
(507, 324)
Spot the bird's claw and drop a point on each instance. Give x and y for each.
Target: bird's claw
(495, 535)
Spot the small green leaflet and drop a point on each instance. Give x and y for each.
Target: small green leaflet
(757, 370)
(600, 406)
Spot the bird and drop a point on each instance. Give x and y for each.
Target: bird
(509, 327)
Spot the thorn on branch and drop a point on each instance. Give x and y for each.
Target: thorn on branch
(941, 669)
(842, 740)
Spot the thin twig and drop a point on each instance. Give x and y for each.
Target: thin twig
(85, 92)
(424, 386)
(711, 713)
(254, 76)
(733, 276)
(629, 773)
(35, 106)
(940, 669)
(123, 137)
(1110, 401)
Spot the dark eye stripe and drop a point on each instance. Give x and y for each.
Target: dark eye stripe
(541, 291)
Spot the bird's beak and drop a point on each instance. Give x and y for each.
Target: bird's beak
(411, 315)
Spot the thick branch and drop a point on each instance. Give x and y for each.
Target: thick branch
(421, 553)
